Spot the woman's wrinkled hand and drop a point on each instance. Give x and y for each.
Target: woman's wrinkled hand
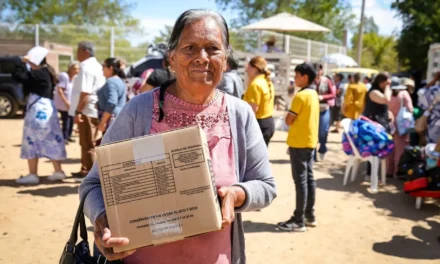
(105, 242)
(231, 198)
(228, 198)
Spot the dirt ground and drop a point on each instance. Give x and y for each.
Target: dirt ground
(355, 226)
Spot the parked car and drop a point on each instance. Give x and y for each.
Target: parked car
(11, 92)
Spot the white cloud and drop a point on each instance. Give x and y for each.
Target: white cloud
(382, 13)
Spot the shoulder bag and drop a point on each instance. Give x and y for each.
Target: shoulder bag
(80, 253)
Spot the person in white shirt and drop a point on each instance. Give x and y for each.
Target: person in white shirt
(83, 103)
(61, 97)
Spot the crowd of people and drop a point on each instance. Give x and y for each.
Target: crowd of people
(199, 70)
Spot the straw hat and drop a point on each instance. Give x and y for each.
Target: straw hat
(407, 82)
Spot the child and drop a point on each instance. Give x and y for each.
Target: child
(303, 119)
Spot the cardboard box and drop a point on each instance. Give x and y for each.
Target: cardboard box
(159, 188)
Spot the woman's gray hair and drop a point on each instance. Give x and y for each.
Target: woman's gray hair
(72, 63)
(193, 15)
(87, 46)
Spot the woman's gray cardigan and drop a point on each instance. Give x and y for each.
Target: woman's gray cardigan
(250, 151)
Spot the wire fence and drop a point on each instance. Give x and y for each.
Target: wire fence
(131, 43)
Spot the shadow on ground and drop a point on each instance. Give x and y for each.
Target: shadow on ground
(397, 203)
(52, 191)
(425, 246)
(254, 227)
(280, 161)
(43, 181)
(68, 161)
(278, 141)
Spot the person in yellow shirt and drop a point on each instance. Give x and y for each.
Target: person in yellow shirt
(260, 95)
(303, 119)
(354, 100)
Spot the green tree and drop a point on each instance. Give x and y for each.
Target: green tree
(68, 22)
(421, 28)
(370, 25)
(164, 35)
(334, 14)
(378, 52)
(76, 12)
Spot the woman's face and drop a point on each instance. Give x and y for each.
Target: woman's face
(199, 59)
(108, 71)
(74, 70)
(384, 84)
(251, 71)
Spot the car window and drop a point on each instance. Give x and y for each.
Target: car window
(7, 67)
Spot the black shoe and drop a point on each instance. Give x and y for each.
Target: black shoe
(71, 140)
(292, 226)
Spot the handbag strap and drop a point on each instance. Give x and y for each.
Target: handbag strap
(79, 222)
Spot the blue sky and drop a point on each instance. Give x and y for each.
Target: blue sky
(155, 14)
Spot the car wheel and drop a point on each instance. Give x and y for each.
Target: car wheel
(8, 105)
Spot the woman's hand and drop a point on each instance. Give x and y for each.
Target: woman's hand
(25, 59)
(231, 197)
(78, 119)
(105, 242)
(101, 127)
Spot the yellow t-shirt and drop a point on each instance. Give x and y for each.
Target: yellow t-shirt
(354, 100)
(303, 133)
(259, 92)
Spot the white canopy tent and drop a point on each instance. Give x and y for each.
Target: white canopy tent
(285, 22)
(340, 60)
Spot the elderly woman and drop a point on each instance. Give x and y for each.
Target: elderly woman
(198, 49)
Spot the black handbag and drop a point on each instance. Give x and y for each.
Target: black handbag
(80, 253)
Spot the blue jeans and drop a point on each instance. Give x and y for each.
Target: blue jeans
(324, 126)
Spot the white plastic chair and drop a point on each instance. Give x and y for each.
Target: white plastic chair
(356, 159)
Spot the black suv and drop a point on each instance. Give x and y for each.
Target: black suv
(11, 92)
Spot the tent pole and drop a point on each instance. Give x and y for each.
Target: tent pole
(260, 39)
(286, 43)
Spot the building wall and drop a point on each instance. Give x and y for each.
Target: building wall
(21, 47)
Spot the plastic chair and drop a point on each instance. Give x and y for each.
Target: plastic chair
(356, 159)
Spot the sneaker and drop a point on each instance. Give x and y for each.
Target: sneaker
(290, 225)
(30, 179)
(321, 156)
(57, 176)
(311, 223)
